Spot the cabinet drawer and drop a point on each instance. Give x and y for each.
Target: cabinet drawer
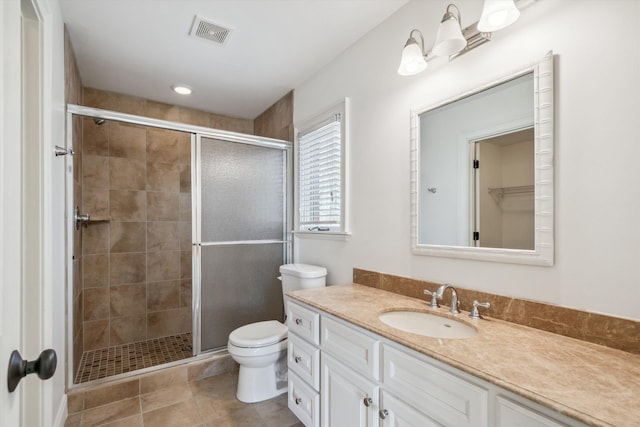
(450, 400)
(351, 346)
(304, 401)
(304, 360)
(303, 322)
(511, 414)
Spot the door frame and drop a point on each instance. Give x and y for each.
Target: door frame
(10, 198)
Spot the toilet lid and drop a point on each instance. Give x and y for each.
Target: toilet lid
(258, 334)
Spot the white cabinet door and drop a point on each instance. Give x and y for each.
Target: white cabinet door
(345, 397)
(511, 414)
(397, 414)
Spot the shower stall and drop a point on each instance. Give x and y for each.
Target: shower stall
(175, 237)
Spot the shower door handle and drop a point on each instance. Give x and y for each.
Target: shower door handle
(44, 366)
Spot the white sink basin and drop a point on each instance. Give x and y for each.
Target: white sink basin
(427, 324)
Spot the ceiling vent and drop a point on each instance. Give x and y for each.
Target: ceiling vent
(202, 29)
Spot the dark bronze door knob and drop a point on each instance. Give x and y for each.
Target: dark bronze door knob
(44, 366)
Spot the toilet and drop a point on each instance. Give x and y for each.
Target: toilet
(261, 348)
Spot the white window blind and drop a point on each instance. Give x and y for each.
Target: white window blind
(320, 176)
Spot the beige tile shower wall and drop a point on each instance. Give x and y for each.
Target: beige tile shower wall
(277, 120)
(137, 254)
(73, 95)
(143, 107)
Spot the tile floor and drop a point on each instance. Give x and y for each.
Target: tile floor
(208, 402)
(116, 360)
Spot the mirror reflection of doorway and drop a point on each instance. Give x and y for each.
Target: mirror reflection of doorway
(503, 206)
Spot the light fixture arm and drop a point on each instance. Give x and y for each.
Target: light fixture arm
(424, 52)
(448, 14)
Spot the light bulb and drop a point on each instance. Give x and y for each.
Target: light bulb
(497, 14)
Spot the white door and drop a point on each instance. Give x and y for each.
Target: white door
(23, 200)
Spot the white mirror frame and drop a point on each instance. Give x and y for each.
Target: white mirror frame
(543, 146)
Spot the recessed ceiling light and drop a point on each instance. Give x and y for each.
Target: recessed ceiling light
(182, 90)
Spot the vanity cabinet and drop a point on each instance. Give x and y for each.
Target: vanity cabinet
(342, 375)
(340, 366)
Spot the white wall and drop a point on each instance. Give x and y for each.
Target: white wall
(596, 149)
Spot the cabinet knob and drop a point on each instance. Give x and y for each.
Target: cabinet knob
(368, 401)
(298, 321)
(298, 400)
(383, 414)
(297, 359)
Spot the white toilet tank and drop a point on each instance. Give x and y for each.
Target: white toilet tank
(302, 276)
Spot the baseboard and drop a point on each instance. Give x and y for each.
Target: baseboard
(61, 413)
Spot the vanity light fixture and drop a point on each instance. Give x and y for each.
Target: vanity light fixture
(181, 89)
(452, 40)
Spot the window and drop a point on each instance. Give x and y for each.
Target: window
(321, 174)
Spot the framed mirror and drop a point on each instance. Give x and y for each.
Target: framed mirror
(482, 171)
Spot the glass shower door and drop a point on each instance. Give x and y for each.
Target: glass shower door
(241, 235)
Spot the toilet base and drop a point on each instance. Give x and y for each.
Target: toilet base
(258, 384)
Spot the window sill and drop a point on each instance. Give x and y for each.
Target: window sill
(326, 235)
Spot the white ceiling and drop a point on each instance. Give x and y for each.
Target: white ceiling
(142, 47)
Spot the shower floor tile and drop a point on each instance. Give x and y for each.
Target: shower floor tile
(105, 362)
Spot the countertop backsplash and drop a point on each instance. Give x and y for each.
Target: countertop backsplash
(614, 332)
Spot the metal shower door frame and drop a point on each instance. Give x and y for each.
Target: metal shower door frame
(196, 215)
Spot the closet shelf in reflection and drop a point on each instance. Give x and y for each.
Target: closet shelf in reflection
(500, 193)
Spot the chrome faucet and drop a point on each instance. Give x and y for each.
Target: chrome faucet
(454, 297)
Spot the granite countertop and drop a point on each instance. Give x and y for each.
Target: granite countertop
(596, 385)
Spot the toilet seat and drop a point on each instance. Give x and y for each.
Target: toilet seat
(259, 334)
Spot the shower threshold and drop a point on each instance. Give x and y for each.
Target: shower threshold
(106, 362)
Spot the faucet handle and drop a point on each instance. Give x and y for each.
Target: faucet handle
(475, 314)
(434, 298)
